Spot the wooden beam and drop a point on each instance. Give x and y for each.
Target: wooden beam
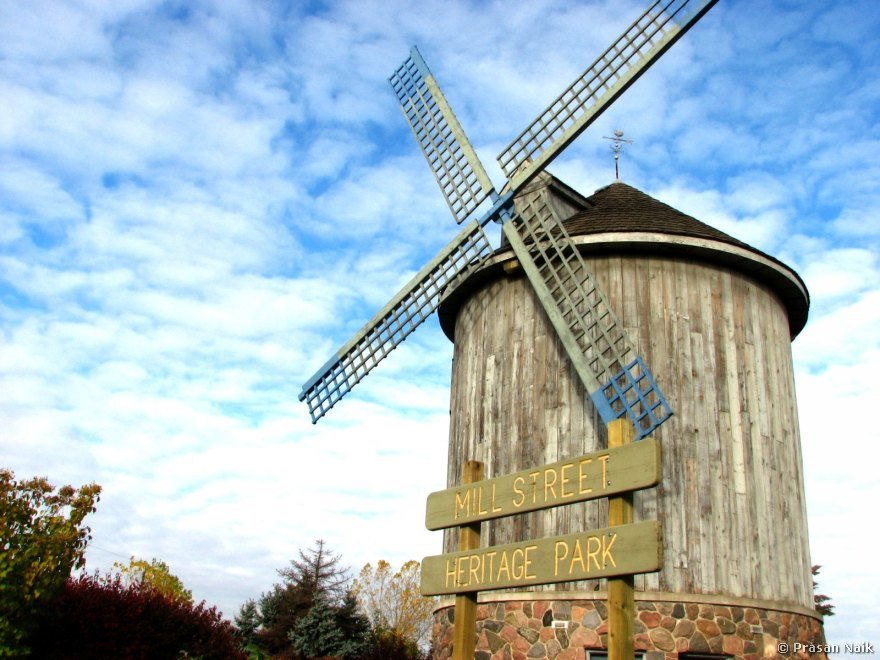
(621, 593)
(464, 639)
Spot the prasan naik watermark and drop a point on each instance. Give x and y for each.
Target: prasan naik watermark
(797, 647)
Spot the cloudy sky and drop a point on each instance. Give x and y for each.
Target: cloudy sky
(199, 202)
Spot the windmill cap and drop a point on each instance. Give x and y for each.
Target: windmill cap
(620, 219)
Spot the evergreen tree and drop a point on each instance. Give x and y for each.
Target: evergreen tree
(279, 610)
(316, 634)
(326, 630)
(316, 576)
(354, 626)
(318, 571)
(247, 622)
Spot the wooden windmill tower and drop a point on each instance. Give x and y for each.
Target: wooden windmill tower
(545, 358)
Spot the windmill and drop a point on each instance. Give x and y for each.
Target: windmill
(617, 379)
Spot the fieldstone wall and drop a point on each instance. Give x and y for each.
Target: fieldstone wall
(524, 630)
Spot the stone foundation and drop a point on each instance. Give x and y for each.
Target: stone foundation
(567, 629)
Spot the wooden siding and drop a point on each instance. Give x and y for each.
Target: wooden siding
(731, 501)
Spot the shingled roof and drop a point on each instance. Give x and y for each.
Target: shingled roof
(619, 207)
(621, 219)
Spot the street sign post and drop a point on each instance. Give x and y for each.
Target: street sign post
(616, 552)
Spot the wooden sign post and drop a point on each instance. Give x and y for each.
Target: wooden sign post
(617, 552)
(621, 591)
(464, 639)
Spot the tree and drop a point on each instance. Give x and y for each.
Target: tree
(326, 630)
(821, 602)
(383, 644)
(316, 634)
(318, 572)
(42, 539)
(247, 621)
(354, 626)
(103, 617)
(156, 575)
(393, 601)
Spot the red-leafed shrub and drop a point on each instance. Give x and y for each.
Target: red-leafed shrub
(100, 617)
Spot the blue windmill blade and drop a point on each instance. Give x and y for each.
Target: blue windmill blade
(396, 321)
(616, 377)
(581, 103)
(449, 153)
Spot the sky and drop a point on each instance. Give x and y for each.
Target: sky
(201, 201)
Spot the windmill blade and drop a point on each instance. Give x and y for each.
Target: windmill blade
(617, 379)
(664, 22)
(395, 322)
(450, 156)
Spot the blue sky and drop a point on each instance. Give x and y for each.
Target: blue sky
(199, 202)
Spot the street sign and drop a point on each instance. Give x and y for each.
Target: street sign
(591, 476)
(621, 550)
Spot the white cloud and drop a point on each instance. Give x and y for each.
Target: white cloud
(200, 204)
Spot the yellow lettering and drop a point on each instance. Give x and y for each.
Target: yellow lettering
(560, 545)
(534, 476)
(528, 563)
(479, 499)
(604, 460)
(606, 552)
(503, 566)
(592, 552)
(459, 580)
(450, 573)
(516, 489)
(518, 564)
(548, 485)
(582, 477)
(491, 557)
(495, 507)
(474, 568)
(462, 504)
(577, 556)
(566, 480)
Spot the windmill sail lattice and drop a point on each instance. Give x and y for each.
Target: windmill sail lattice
(581, 103)
(455, 165)
(617, 378)
(395, 322)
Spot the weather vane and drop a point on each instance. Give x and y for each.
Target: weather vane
(616, 148)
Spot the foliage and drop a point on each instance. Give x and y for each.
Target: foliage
(102, 617)
(355, 627)
(313, 614)
(393, 601)
(316, 574)
(326, 630)
(42, 538)
(821, 602)
(247, 622)
(155, 575)
(383, 644)
(316, 634)
(279, 610)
